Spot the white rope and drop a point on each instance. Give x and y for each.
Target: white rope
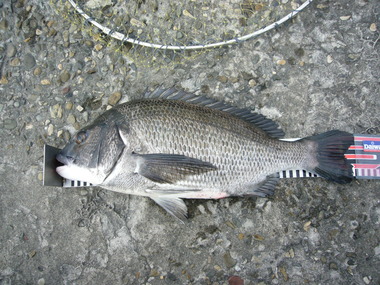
(124, 38)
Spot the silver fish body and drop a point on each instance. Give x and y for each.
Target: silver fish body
(172, 145)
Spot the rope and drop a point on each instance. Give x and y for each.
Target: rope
(124, 38)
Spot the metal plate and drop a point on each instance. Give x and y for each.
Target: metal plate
(50, 176)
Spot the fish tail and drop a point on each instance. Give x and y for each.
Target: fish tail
(330, 150)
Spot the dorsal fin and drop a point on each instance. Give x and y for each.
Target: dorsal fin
(265, 124)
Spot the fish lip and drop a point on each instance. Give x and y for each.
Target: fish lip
(64, 159)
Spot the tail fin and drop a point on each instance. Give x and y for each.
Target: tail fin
(331, 147)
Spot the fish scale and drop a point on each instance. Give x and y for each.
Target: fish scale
(228, 143)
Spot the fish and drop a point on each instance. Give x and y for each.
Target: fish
(171, 145)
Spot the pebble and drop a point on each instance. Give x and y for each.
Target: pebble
(290, 253)
(71, 119)
(284, 273)
(345, 18)
(353, 56)
(367, 279)
(93, 4)
(65, 76)
(9, 124)
(52, 32)
(15, 62)
(306, 226)
(322, 6)
(4, 80)
(69, 105)
(235, 280)
(80, 108)
(66, 90)
(231, 224)
(29, 126)
(228, 260)
(40, 176)
(11, 50)
(45, 82)
(3, 25)
(373, 27)
(137, 23)
(252, 83)
(294, 5)
(29, 61)
(329, 59)
(292, 61)
(50, 129)
(222, 78)
(188, 14)
(299, 52)
(114, 98)
(333, 266)
(98, 47)
(37, 71)
(85, 116)
(258, 237)
(91, 71)
(66, 136)
(56, 111)
(377, 250)
(281, 62)
(41, 281)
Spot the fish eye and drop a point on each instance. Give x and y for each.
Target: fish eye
(81, 137)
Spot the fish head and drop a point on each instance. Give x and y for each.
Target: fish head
(92, 153)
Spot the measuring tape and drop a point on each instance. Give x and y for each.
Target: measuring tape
(364, 156)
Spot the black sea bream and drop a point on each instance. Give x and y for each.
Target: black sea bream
(172, 145)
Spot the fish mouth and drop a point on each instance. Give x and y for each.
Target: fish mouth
(64, 159)
(65, 170)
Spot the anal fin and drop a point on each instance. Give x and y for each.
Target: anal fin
(174, 206)
(265, 188)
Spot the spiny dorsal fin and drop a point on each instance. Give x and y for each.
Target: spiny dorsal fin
(265, 124)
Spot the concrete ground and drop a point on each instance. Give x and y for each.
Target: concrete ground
(316, 73)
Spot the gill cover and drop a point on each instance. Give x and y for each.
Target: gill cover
(93, 152)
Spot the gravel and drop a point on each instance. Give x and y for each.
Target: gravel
(316, 73)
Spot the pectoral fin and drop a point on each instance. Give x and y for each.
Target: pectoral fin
(169, 168)
(174, 206)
